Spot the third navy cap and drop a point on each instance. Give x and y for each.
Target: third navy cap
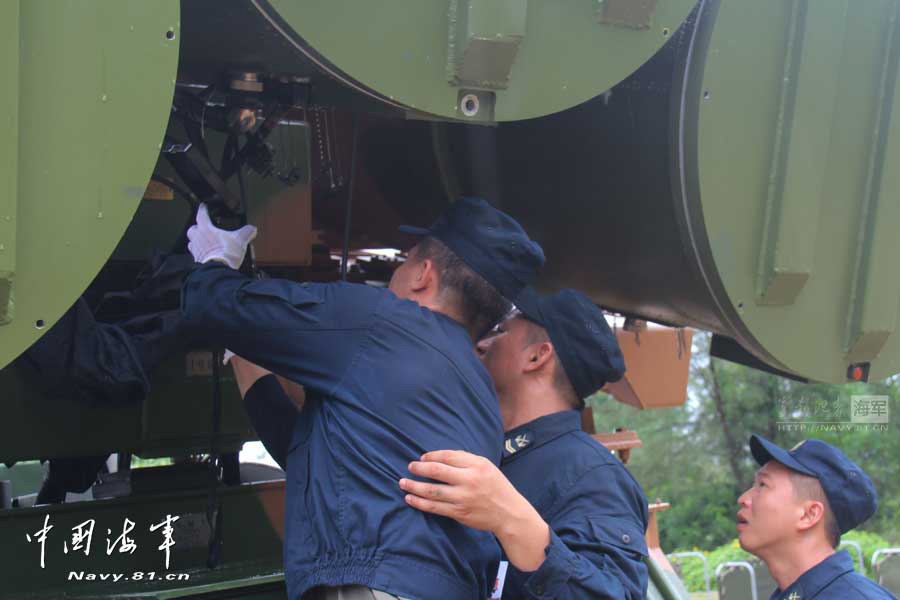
(850, 492)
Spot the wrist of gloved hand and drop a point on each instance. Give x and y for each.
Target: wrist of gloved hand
(204, 255)
(207, 242)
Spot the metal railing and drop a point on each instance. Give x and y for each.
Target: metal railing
(859, 554)
(702, 557)
(743, 565)
(881, 552)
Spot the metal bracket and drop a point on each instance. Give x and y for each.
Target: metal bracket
(634, 14)
(484, 41)
(175, 148)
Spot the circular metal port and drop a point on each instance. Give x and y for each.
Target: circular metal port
(469, 105)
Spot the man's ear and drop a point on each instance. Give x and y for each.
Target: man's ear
(813, 512)
(423, 274)
(538, 356)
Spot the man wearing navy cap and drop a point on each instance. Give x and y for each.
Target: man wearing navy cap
(570, 517)
(793, 517)
(388, 375)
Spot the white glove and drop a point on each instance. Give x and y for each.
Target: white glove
(227, 356)
(208, 242)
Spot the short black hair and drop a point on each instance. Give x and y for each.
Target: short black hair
(477, 302)
(809, 488)
(538, 335)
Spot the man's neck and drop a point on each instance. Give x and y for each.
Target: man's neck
(787, 564)
(528, 402)
(432, 303)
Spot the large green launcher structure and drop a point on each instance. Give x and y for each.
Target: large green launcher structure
(729, 165)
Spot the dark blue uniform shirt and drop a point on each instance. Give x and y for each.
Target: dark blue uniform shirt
(596, 511)
(386, 381)
(833, 579)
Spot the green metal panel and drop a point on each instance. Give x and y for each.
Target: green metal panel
(796, 153)
(798, 161)
(24, 477)
(875, 288)
(93, 82)
(557, 53)
(749, 167)
(9, 154)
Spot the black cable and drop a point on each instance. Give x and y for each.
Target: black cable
(346, 251)
(240, 177)
(187, 195)
(214, 505)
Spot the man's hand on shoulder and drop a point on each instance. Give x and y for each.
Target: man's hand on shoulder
(207, 242)
(475, 493)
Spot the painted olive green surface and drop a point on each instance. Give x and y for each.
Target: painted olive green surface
(799, 176)
(565, 56)
(89, 98)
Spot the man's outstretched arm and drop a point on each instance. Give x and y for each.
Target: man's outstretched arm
(307, 332)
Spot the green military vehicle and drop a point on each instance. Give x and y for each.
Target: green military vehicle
(724, 165)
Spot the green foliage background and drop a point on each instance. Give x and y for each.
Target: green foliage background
(692, 567)
(697, 456)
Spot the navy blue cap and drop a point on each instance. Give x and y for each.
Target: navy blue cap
(582, 339)
(849, 490)
(490, 242)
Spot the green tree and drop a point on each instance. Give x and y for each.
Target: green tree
(697, 456)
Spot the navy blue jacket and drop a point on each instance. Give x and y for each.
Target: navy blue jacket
(833, 578)
(386, 380)
(596, 511)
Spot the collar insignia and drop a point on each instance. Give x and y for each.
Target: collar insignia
(513, 445)
(794, 595)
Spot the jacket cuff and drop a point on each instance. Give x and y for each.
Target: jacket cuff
(553, 575)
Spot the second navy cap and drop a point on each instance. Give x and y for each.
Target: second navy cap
(582, 339)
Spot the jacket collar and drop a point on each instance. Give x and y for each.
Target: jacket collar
(534, 434)
(814, 580)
